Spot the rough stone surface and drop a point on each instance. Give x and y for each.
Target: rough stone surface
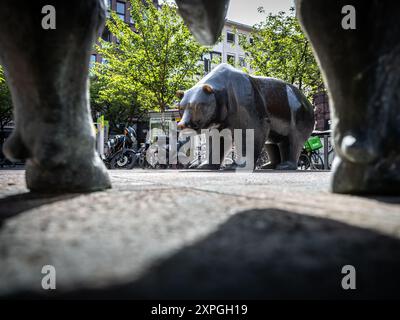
(191, 234)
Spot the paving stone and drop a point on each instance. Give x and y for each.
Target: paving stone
(195, 234)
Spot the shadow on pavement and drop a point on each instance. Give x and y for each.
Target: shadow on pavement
(255, 171)
(269, 254)
(17, 204)
(389, 200)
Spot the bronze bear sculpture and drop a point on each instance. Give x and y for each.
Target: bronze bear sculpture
(47, 71)
(231, 99)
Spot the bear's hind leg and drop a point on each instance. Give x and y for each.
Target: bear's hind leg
(274, 156)
(290, 149)
(247, 155)
(225, 146)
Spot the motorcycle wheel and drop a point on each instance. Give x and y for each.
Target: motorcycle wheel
(124, 160)
(143, 163)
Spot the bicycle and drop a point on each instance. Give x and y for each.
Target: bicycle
(310, 157)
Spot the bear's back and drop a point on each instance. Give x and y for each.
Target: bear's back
(281, 98)
(224, 75)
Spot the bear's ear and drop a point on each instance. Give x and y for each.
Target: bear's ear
(208, 89)
(180, 94)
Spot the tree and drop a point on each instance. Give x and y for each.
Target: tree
(151, 60)
(280, 49)
(6, 111)
(2, 78)
(117, 105)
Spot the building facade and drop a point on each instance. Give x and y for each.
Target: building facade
(226, 51)
(322, 111)
(229, 49)
(122, 9)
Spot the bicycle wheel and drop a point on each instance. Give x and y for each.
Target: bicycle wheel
(304, 162)
(316, 162)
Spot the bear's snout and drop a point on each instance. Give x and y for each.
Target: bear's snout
(181, 125)
(188, 125)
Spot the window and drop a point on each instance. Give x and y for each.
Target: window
(207, 65)
(216, 57)
(106, 35)
(109, 7)
(242, 38)
(93, 59)
(207, 62)
(230, 37)
(121, 10)
(230, 58)
(242, 62)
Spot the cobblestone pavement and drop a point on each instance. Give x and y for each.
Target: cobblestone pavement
(198, 234)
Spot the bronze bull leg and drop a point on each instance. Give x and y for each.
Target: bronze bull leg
(48, 75)
(361, 68)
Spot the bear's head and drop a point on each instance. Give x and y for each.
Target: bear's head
(199, 108)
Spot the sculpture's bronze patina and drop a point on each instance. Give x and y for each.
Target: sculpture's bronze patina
(48, 75)
(361, 68)
(231, 99)
(205, 18)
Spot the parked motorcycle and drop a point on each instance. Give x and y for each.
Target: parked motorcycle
(121, 150)
(150, 154)
(142, 161)
(156, 151)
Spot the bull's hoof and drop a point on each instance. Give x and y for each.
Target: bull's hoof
(382, 178)
(288, 165)
(14, 149)
(73, 177)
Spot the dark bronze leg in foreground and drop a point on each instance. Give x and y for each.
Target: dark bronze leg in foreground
(362, 71)
(48, 75)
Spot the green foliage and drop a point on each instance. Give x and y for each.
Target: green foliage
(2, 78)
(115, 106)
(149, 62)
(281, 50)
(6, 113)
